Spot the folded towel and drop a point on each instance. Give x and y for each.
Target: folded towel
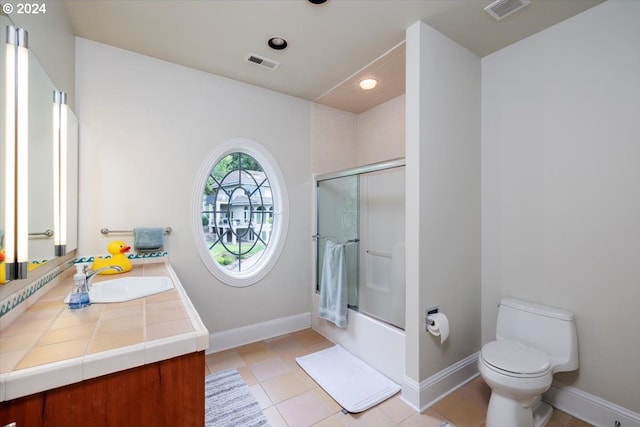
(148, 238)
(333, 286)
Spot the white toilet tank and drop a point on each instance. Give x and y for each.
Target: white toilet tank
(549, 329)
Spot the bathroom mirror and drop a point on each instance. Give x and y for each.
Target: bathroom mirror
(41, 215)
(41, 88)
(4, 21)
(72, 181)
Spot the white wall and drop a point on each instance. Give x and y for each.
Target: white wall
(146, 127)
(561, 187)
(443, 199)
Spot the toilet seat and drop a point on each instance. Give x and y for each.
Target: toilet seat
(515, 359)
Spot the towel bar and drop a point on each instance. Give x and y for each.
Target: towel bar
(380, 254)
(48, 232)
(317, 236)
(106, 231)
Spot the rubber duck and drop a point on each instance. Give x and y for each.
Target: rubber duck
(117, 249)
(3, 277)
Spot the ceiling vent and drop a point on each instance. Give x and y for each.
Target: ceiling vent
(502, 8)
(262, 61)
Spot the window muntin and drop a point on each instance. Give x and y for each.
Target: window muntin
(240, 212)
(237, 195)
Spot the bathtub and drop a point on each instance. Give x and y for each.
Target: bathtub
(380, 345)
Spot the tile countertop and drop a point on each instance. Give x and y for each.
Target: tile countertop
(50, 346)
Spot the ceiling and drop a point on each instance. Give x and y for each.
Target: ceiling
(329, 46)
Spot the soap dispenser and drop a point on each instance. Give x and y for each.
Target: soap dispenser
(79, 298)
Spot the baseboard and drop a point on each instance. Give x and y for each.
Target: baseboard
(590, 408)
(422, 395)
(231, 338)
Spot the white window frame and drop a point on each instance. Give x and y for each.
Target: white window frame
(280, 212)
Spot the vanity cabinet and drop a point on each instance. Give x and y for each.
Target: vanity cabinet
(167, 393)
(138, 363)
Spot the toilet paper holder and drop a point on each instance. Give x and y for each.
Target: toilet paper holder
(429, 311)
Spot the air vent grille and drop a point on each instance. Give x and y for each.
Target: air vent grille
(262, 61)
(502, 8)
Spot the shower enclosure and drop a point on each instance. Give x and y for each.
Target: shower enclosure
(364, 209)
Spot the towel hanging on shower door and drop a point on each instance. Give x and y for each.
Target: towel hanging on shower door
(333, 286)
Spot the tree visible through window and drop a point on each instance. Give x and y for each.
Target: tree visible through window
(237, 212)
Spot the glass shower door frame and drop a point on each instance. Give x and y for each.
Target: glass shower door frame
(353, 245)
(341, 224)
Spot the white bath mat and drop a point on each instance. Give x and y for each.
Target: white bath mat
(352, 383)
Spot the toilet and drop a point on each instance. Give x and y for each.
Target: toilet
(533, 342)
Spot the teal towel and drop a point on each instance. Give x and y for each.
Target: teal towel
(147, 238)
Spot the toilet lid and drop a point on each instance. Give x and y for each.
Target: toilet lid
(515, 358)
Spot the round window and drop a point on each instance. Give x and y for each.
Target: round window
(240, 212)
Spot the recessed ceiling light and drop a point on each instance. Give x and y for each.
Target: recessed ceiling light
(367, 84)
(317, 1)
(277, 43)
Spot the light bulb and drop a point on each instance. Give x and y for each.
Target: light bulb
(368, 84)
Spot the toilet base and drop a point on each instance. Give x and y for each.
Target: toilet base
(542, 414)
(505, 411)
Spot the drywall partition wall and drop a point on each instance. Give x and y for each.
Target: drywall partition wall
(443, 201)
(146, 127)
(561, 187)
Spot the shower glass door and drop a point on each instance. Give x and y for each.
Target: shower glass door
(382, 246)
(337, 207)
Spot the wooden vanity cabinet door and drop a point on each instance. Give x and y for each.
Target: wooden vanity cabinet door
(167, 393)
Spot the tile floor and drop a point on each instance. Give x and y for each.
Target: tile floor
(290, 398)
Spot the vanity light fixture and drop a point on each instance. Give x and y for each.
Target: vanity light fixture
(16, 155)
(368, 84)
(60, 172)
(277, 43)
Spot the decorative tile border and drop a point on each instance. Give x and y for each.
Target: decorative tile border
(133, 257)
(14, 300)
(22, 295)
(38, 263)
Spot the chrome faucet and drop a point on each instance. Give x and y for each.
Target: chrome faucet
(89, 275)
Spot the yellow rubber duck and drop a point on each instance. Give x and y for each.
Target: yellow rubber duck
(3, 276)
(117, 249)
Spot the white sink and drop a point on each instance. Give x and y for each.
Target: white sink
(127, 288)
